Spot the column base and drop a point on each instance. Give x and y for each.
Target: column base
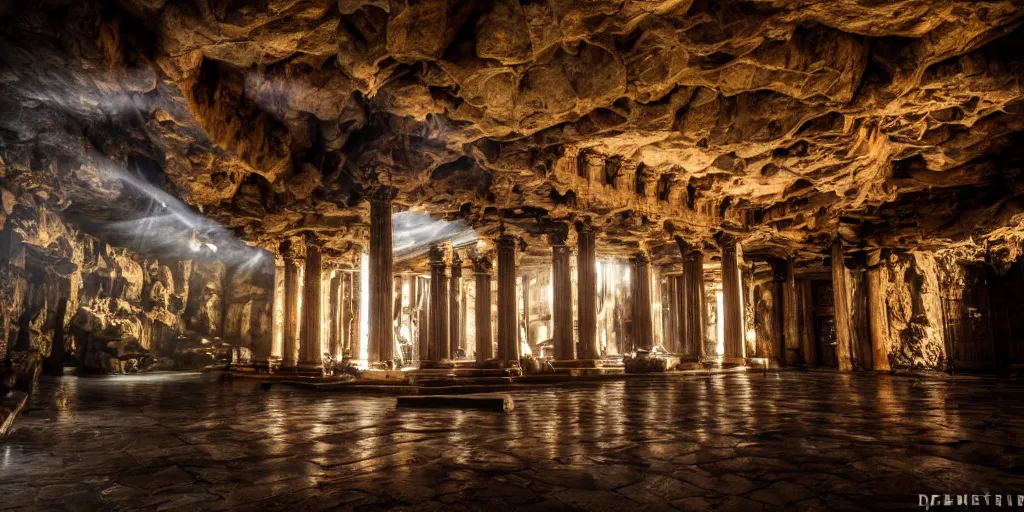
(304, 369)
(575, 363)
(763, 363)
(651, 363)
(732, 362)
(442, 364)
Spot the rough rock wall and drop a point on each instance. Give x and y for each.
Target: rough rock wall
(913, 326)
(66, 294)
(249, 309)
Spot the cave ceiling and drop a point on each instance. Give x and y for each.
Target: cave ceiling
(784, 124)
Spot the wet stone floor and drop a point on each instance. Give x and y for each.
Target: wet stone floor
(792, 440)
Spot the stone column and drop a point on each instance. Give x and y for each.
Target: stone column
(382, 279)
(277, 343)
(455, 307)
(292, 288)
(337, 315)
(561, 297)
(508, 345)
(672, 330)
(692, 301)
(844, 325)
(310, 343)
(643, 321)
(732, 303)
(438, 347)
(860, 324)
(355, 328)
(808, 345)
(586, 291)
(878, 316)
(482, 310)
(790, 313)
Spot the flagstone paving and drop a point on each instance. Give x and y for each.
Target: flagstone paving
(788, 440)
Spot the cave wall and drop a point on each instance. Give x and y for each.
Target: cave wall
(907, 328)
(68, 295)
(249, 306)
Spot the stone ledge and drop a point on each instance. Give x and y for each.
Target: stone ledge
(10, 405)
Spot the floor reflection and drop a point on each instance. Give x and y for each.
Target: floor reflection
(741, 441)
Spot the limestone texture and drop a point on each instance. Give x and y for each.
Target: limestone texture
(785, 122)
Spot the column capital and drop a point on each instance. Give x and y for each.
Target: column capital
(507, 241)
(482, 265)
(585, 226)
(382, 194)
(438, 256)
(641, 257)
(293, 249)
(456, 264)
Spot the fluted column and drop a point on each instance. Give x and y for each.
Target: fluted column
(508, 344)
(336, 315)
(310, 342)
(382, 279)
(561, 297)
(278, 319)
(732, 303)
(844, 324)
(586, 291)
(672, 336)
(482, 310)
(692, 301)
(455, 307)
(292, 289)
(790, 314)
(643, 321)
(355, 328)
(438, 347)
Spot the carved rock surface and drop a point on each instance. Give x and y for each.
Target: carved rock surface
(783, 122)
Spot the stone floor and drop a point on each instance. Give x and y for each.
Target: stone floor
(793, 440)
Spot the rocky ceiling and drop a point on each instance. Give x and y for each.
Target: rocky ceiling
(786, 123)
